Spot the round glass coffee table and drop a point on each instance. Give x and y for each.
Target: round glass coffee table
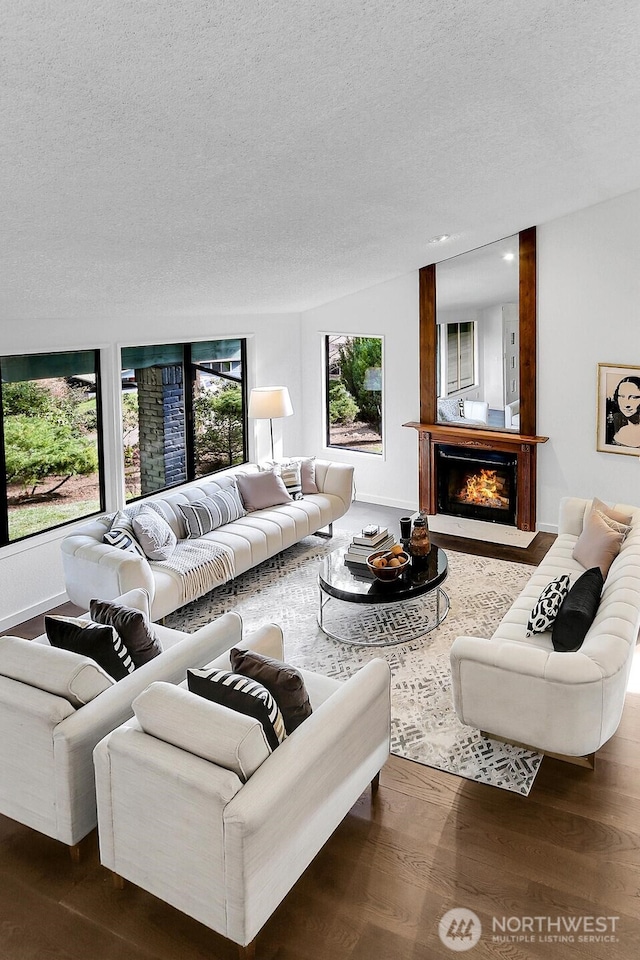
(356, 607)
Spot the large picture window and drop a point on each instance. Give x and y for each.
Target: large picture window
(50, 443)
(183, 412)
(353, 369)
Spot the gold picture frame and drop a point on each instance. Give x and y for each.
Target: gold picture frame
(618, 409)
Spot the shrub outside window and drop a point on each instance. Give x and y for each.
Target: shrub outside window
(50, 443)
(183, 412)
(353, 371)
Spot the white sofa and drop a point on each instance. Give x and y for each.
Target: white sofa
(46, 742)
(475, 411)
(96, 570)
(522, 690)
(216, 828)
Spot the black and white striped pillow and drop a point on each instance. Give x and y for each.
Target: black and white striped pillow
(121, 534)
(242, 694)
(546, 610)
(100, 642)
(203, 516)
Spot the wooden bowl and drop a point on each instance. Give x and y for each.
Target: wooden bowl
(387, 573)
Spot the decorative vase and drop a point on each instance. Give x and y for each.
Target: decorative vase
(420, 542)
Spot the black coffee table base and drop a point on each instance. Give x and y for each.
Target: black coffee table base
(382, 624)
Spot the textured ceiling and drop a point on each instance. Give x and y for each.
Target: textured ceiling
(208, 156)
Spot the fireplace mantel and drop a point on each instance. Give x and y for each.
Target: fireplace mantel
(431, 435)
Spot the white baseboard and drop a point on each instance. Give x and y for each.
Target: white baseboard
(548, 528)
(8, 622)
(386, 502)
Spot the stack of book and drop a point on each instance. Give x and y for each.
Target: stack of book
(371, 539)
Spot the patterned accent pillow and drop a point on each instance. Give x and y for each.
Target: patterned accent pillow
(154, 534)
(448, 409)
(548, 605)
(120, 534)
(284, 683)
(101, 643)
(203, 516)
(134, 629)
(242, 694)
(291, 476)
(307, 467)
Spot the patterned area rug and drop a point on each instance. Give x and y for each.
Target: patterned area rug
(425, 728)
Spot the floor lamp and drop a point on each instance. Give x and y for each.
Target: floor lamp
(270, 403)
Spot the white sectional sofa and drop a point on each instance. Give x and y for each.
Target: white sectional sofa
(522, 690)
(94, 569)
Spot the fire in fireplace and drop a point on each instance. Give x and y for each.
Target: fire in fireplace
(478, 484)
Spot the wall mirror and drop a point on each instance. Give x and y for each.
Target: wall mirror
(478, 337)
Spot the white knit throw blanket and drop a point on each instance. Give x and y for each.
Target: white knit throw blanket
(198, 566)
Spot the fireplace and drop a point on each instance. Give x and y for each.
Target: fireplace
(477, 484)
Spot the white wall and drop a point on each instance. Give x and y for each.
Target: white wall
(31, 578)
(490, 330)
(588, 313)
(390, 311)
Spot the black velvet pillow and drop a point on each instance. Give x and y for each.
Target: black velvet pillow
(101, 643)
(578, 611)
(284, 683)
(133, 629)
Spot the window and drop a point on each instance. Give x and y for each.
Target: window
(353, 369)
(183, 412)
(459, 355)
(50, 441)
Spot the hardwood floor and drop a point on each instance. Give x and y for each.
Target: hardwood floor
(429, 843)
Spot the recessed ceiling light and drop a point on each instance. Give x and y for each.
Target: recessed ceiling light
(440, 239)
(509, 256)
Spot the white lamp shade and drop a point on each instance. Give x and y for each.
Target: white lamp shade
(267, 403)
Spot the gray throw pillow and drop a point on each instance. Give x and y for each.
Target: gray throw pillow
(448, 409)
(154, 534)
(262, 490)
(213, 511)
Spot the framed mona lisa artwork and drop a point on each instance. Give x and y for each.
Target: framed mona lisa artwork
(618, 409)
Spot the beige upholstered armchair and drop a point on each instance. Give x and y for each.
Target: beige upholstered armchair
(192, 808)
(56, 705)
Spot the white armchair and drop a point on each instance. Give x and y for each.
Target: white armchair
(48, 729)
(186, 818)
(512, 415)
